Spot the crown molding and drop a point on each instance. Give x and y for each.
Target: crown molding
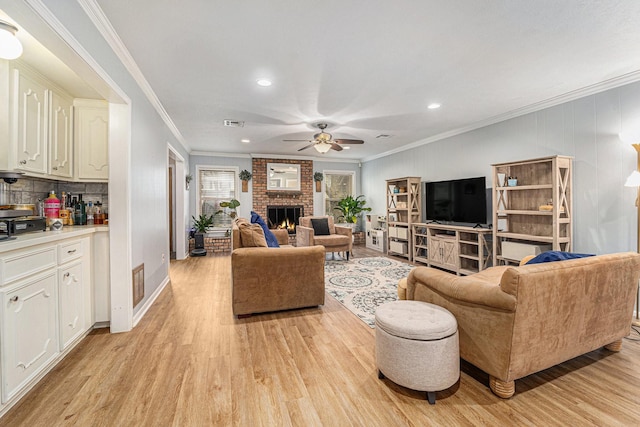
(216, 154)
(101, 22)
(532, 108)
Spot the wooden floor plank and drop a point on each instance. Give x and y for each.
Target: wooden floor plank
(189, 362)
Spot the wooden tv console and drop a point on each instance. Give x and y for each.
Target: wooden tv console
(460, 249)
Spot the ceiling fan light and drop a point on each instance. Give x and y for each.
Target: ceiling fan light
(322, 147)
(10, 46)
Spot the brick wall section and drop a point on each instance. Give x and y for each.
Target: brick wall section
(263, 198)
(214, 245)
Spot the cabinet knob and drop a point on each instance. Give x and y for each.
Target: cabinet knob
(14, 298)
(55, 168)
(67, 274)
(23, 162)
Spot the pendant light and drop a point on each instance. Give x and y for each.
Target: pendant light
(10, 46)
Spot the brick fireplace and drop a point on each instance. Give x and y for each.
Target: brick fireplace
(282, 198)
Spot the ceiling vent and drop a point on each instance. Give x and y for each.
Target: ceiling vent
(233, 123)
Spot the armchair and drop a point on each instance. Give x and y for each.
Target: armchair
(339, 238)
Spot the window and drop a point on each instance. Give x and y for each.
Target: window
(215, 185)
(338, 185)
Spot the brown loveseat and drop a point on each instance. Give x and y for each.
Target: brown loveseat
(514, 321)
(271, 279)
(339, 238)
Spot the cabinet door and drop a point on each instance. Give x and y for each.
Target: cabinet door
(29, 338)
(91, 142)
(60, 135)
(30, 123)
(435, 250)
(71, 298)
(449, 254)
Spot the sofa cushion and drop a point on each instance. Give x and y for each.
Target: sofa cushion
(252, 235)
(332, 240)
(551, 256)
(272, 241)
(320, 226)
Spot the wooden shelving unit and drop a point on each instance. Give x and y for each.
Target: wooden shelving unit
(460, 249)
(518, 217)
(403, 209)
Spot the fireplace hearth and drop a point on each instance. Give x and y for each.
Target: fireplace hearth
(284, 217)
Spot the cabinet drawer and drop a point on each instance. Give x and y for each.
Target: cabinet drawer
(69, 251)
(26, 263)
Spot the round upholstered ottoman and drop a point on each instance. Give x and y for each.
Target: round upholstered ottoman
(417, 346)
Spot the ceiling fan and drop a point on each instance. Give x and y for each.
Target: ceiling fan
(324, 141)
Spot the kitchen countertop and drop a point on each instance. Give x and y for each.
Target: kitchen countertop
(39, 237)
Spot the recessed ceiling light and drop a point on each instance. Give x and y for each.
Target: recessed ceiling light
(263, 82)
(433, 106)
(246, 141)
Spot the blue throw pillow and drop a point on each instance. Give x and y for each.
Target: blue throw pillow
(272, 242)
(550, 256)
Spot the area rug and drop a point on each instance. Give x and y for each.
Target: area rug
(363, 284)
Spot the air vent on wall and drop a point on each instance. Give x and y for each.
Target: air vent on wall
(234, 123)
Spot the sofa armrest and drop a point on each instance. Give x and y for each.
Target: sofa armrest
(304, 236)
(345, 231)
(282, 236)
(468, 289)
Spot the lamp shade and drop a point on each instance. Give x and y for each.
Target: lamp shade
(633, 180)
(10, 46)
(322, 147)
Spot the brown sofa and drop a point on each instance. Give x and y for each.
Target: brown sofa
(272, 279)
(514, 321)
(339, 240)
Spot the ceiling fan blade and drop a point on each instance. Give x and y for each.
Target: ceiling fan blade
(296, 140)
(348, 141)
(336, 147)
(307, 146)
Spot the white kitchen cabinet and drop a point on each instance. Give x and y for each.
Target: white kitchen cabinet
(30, 122)
(46, 307)
(91, 140)
(29, 330)
(60, 135)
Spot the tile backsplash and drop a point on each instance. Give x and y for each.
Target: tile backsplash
(29, 190)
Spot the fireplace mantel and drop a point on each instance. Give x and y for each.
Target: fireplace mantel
(277, 193)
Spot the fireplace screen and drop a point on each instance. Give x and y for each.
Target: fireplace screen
(284, 217)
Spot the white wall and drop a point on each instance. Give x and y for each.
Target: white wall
(587, 129)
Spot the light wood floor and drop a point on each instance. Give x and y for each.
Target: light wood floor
(191, 363)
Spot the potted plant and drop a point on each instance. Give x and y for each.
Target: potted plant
(318, 177)
(231, 205)
(350, 209)
(202, 223)
(245, 177)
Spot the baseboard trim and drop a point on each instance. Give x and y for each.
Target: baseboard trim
(147, 305)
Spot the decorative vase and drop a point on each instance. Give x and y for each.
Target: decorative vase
(318, 186)
(245, 186)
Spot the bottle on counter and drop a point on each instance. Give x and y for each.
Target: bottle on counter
(51, 207)
(80, 217)
(90, 213)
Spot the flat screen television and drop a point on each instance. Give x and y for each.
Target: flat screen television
(458, 200)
